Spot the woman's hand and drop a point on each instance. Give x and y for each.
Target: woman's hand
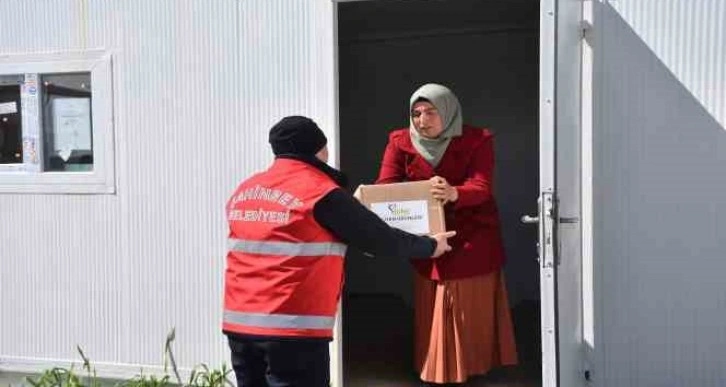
(442, 190)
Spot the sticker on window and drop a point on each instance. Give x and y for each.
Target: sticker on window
(8, 107)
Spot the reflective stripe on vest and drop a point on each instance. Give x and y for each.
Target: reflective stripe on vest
(313, 249)
(289, 321)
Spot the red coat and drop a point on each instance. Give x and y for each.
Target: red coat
(467, 164)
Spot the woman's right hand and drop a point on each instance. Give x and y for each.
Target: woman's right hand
(442, 190)
(442, 243)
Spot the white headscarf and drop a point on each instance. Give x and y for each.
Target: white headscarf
(446, 103)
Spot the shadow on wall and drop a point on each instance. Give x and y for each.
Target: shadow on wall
(659, 204)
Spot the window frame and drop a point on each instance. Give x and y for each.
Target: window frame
(29, 177)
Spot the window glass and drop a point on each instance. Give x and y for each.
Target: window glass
(11, 132)
(67, 123)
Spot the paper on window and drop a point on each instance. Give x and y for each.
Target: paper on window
(8, 107)
(71, 124)
(30, 114)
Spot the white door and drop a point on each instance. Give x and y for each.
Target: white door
(659, 193)
(559, 214)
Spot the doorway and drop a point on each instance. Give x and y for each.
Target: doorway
(487, 52)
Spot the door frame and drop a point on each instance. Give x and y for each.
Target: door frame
(548, 115)
(547, 198)
(561, 191)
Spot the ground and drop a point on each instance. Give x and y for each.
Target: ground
(378, 342)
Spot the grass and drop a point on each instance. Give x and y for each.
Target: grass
(201, 375)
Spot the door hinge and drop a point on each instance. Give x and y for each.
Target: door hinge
(586, 369)
(586, 30)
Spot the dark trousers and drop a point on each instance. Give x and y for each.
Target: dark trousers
(280, 363)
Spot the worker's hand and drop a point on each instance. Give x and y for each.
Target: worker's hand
(442, 190)
(442, 243)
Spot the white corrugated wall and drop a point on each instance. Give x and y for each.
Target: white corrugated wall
(689, 37)
(659, 156)
(197, 85)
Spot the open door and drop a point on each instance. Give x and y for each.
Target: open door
(559, 203)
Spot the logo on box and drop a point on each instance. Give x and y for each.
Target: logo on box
(399, 211)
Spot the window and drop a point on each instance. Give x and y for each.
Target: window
(56, 124)
(67, 126)
(11, 149)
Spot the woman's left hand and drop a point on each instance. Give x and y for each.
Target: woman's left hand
(442, 190)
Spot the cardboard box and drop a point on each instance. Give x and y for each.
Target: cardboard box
(408, 206)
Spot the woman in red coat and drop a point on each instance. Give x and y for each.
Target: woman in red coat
(462, 321)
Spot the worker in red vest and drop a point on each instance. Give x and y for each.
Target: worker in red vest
(289, 227)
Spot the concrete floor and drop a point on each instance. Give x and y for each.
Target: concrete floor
(378, 346)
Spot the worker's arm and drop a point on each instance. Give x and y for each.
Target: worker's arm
(351, 222)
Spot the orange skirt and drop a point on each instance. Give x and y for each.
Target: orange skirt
(462, 327)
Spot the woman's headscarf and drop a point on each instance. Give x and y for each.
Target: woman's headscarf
(446, 103)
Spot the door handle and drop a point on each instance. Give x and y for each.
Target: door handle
(527, 219)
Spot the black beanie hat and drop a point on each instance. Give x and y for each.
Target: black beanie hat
(297, 135)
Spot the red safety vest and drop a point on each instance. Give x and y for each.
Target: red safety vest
(284, 270)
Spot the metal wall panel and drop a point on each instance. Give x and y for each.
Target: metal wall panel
(61, 255)
(659, 155)
(689, 37)
(180, 118)
(197, 86)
